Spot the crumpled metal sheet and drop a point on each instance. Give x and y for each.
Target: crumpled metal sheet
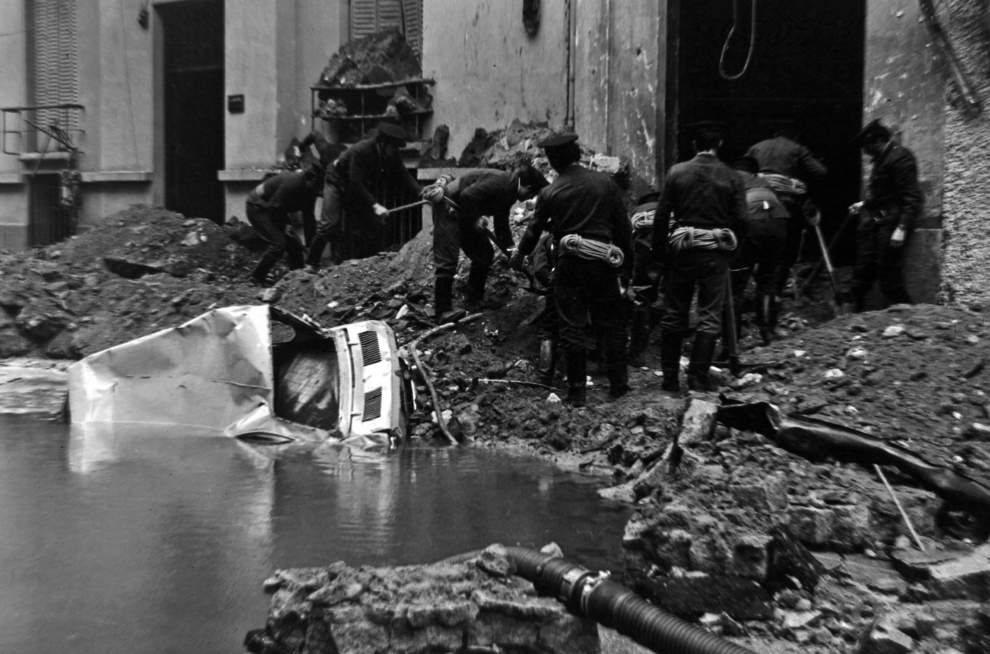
(213, 372)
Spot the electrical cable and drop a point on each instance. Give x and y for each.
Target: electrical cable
(728, 40)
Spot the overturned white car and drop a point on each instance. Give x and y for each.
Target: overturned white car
(222, 373)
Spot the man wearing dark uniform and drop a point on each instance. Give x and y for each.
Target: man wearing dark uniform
(761, 251)
(459, 205)
(592, 240)
(352, 217)
(892, 207)
(642, 290)
(701, 216)
(790, 168)
(268, 207)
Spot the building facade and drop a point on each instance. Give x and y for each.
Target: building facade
(186, 103)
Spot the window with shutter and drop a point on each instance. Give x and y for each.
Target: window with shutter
(55, 60)
(371, 16)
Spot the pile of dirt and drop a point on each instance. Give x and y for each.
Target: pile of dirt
(913, 375)
(373, 59)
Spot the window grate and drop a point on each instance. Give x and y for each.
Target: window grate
(370, 352)
(372, 405)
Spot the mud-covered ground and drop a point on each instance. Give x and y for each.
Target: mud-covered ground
(909, 375)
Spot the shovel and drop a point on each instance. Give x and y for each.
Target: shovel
(813, 216)
(729, 333)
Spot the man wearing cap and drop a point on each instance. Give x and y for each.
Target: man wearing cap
(459, 206)
(761, 251)
(790, 168)
(701, 216)
(592, 240)
(350, 210)
(268, 207)
(891, 208)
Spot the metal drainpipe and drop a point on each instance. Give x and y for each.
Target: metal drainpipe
(569, 108)
(608, 74)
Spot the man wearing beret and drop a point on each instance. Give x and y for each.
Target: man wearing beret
(350, 209)
(592, 236)
(699, 221)
(892, 206)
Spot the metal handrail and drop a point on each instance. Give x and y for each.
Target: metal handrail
(6, 131)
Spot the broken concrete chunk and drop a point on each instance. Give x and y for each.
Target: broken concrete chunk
(967, 577)
(768, 494)
(881, 639)
(750, 557)
(790, 561)
(698, 423)
(811, 525)
(494, 561)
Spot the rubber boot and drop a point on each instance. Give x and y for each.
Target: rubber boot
(615, 367)
(547, 365)
(477, 278)
(639, 338)
(670, 360)
(443, 297)
(315, 256)
(577, 377)
(260, 273)
(764, 305)
(698, 375)
(773, 313)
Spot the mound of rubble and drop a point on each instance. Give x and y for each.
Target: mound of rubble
(381, 57)
(809, 554)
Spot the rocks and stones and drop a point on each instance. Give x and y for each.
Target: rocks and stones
(696, 593)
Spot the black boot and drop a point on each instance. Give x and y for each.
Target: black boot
(670, 359)
(443, 297)
(577, 377)
(475, 298)
(764, 305)
(773, 313)
(547, 365)
(698, 377)
(639, 338)
(260, 273)
(616, 368)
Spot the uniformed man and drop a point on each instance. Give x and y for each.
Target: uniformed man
(642, 291)
(891, 208)
(352, 217)
(699, 220)
(760, 253)
(268, 207)
(592, 241)
(459, 206)
(790, 168)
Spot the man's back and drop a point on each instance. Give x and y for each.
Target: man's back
(783, 156)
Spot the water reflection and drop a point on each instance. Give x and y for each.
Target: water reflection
(117, 541)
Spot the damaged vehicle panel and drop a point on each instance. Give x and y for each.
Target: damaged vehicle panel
(228, 371)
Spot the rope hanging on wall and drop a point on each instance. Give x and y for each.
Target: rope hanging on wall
(728, 40)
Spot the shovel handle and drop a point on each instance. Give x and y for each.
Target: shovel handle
(411, 205)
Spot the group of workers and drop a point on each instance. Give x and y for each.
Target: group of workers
(711, 228)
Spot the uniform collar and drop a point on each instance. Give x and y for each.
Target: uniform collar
(887, 148)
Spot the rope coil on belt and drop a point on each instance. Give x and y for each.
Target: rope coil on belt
(643, 219)
(586, 248)
(691, 238)
(785, 184)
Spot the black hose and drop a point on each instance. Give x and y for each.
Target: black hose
(614, 606)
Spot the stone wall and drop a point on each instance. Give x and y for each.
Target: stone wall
(966, 269)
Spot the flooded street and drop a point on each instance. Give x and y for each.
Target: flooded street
(159, 542)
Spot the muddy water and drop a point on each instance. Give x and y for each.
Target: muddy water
(116, 541)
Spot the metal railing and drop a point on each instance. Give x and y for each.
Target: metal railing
(40, 128)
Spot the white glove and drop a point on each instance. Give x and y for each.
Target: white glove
(380, 211)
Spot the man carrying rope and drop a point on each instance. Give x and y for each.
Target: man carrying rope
(700, 218)
(593, 239)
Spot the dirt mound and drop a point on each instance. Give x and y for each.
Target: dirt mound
(373, 59)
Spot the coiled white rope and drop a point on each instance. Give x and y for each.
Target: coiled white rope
(691, 238)
(587, 248)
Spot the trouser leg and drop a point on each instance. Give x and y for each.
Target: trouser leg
(577, 376)
(891, 268)
(546, 367)
(865, 270)
(702, 353)
(329, 229)
(478, 248)
(670, 359)
(270, 232)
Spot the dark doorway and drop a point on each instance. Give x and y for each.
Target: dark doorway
(806, 66)
(194, 118)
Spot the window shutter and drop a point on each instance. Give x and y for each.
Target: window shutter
(56, 62)
(412, 11)
(389, 15)
(364, 18)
